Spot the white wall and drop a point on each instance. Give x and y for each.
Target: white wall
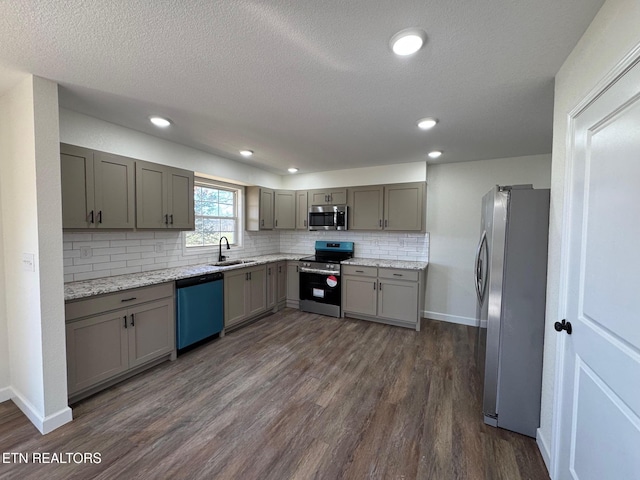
(90, 132)
(454, 196)
(402, 173)
(5, 391)
(612, 34)
(31, 217)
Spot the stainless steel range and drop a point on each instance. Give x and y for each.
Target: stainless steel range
(320, 285)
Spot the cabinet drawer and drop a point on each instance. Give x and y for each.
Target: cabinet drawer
(398, 274)
(360, 270)
(112, 301)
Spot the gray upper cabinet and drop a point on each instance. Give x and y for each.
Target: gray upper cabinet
(180, 199)
(98, 189)
(259, 209)
(164, 197)
(333, 196)
(285, 209)
(404, 207)
(366, 207)
(302, 210)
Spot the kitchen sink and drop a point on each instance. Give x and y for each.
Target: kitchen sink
(228, 263)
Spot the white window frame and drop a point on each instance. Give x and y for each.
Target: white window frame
(210, 249)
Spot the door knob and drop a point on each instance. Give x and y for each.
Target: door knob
(563, 326)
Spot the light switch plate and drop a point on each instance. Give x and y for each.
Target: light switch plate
(28, 262)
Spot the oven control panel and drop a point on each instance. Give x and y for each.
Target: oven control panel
(327, 266)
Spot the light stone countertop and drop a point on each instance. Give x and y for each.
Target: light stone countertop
(99, 286)
(384, 263)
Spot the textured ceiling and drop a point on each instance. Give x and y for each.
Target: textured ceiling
(311, 84)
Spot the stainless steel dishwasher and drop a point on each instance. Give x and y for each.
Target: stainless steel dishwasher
(200, 308)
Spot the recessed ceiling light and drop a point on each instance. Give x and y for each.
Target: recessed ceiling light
(435, 154)
(427, 123)
(408, 41)
(160, 121)
(246, 153)
(293, 170)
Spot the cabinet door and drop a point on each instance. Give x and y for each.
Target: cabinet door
(293, 281)
(151, 196)
(151, 331)
(76, 169)
(266, 209)
(338, 197)
(257, 297)
(398, 300)
(404, 207)
(97, 349)
(272, 284)
(114, 191)
(365, 207)
(302, 210)
(359, 294)
(282, 282)
(319, 197)
(180, 199)
(235, 283)
(285, 209)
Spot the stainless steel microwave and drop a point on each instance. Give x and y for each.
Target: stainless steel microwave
(328, 217)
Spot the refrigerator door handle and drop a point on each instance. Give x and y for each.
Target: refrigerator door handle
(478, 270)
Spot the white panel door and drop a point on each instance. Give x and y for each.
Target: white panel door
(599, 434)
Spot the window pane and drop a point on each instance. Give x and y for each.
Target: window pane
(215, 210)
(226, 211)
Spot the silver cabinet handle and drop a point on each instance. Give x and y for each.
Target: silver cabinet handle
(398, 275)
(128, 299)
(380, 223)
(359, 271)
(276, 223)
(305, 223)
(386, 223)
(374, 285)
(133, 319)
(125, 321)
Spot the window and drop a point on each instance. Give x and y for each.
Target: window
(216, 215)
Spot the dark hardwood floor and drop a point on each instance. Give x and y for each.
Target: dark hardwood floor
(292, 396)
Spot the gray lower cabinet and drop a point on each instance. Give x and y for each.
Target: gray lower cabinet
(293, 284)
(386, 295)
(110, 336)
(245, 294)
(282, 283)
(276, 284)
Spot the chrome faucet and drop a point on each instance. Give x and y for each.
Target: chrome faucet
(220, 256)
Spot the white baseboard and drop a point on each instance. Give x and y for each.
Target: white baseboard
(5, 394)
(543, 446)
(47, 424)
(445, 317)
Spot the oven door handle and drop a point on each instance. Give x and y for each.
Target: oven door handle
(318, 271)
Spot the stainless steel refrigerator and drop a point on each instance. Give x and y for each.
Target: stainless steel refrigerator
(510, 280)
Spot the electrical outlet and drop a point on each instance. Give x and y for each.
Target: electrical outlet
(159, 247)
(85, 252)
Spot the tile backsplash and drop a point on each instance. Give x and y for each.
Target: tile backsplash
(106, 254)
